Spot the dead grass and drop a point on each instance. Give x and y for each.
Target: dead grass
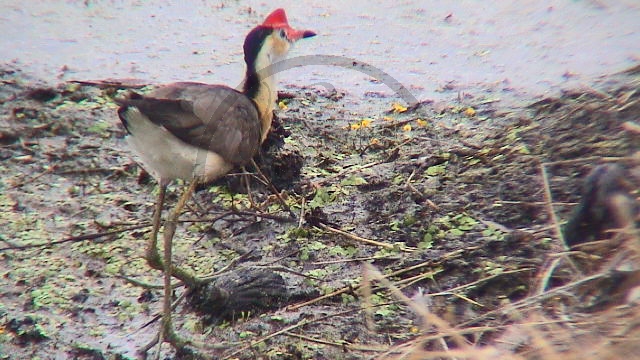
(594, 315)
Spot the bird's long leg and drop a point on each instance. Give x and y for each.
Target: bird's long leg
(169, 231)
(152, 255)
(165, 264)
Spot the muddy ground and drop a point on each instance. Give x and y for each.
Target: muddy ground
(448, 200)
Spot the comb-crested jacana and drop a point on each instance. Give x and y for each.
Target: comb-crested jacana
(199, 132)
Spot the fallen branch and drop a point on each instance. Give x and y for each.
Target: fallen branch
(364, 240)
(74, 238)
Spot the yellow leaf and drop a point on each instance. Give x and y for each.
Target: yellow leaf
(421, 123)
(365, 122)
(387, 118)
(406, 127)
(397, 108)
(374, 141)
(282, 105)
(470, 112)
(355, 126)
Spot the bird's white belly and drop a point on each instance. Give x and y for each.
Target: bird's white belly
(167, 158)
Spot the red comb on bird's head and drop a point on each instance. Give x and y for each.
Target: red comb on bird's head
(276, 19)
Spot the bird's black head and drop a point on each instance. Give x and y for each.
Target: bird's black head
(266, 44)
(253, 43)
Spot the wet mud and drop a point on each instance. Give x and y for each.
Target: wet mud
(457, 203)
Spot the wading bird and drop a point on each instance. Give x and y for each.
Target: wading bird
(199, 132)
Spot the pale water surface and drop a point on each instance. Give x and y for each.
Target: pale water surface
(524, 47)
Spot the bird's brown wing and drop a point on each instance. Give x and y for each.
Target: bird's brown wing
(211, 117)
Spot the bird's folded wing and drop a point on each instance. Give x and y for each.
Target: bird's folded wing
(220, 121)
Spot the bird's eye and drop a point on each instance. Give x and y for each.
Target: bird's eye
(283, 34)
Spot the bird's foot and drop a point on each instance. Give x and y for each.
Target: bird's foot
(167, 334)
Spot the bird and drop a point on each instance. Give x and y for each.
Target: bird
(198, 132)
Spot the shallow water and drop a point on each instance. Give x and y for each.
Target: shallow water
(530, 47)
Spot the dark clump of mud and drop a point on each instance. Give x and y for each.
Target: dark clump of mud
(605, 190)
(26, 331)
(281, 167)
(234, 294)
(458, 208)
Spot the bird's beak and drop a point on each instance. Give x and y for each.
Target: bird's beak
(295, 35)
